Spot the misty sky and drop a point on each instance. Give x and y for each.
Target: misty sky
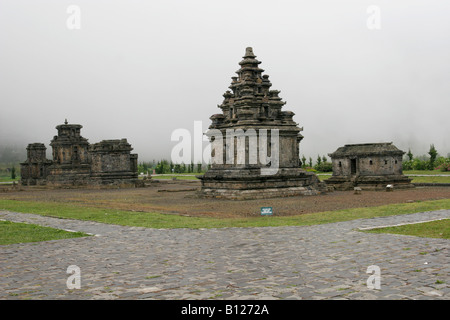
(141, 69)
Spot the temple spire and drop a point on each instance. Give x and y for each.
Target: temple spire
(249, 53)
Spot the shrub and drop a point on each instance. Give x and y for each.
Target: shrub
(444, 167)
(163, 166)
(443, 164)
(407, 165)
(324, 167)
(418, 164)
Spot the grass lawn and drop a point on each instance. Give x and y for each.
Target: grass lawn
(13, 232)
(429, 172)
(324, 176)
(321, 176)
(431, 179)
(178, 176)
(8, 179)
(159, 220)
(433, 176)
(433, 229)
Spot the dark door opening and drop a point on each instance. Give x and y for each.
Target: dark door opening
(353, 166)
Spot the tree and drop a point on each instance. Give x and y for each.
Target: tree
(324, 159)
(319, 160)
(199, 167)
(162, 167)
(324, 167)
(13, 173)
(303, 161)
(144, 167)
(310, 161)
(433, 154)
(410, 155)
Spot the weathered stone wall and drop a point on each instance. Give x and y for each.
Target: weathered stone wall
(67, 175)
(383, 165)
(368, 166)
(248, 155)
(112, 163)
(341, 167)
(134, 163)
(68, 153)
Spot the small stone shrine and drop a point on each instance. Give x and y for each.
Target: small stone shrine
(34, 170)
(254, 143)
(370, 166)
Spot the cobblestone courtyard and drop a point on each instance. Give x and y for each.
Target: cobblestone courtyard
(328, 261)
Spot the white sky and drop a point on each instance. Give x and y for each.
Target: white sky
(141, 69)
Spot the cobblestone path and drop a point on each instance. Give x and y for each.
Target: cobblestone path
(328, 261)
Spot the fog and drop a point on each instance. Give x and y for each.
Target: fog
(142, 69)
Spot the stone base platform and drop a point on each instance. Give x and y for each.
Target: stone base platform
(247, 184)
(369, 182)
(73, 178)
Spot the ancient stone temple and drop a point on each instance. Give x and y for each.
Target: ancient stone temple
(34, 170)
(76, 162)
(254, 143)
(370, 166)
(71, 162)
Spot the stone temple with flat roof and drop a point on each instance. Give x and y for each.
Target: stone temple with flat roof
(254, 143)
(76, 162)
(370, 166)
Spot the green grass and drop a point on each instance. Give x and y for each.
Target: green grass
(430, 172)
(433, 229)
(158, 220)
(190, 176)
(14, 232)
(431, 179)
(324, 176)
(179, 177)
(8, 179)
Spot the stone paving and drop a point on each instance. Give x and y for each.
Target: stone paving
(328, 261)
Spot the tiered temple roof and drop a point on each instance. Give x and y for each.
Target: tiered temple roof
(250, 100)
